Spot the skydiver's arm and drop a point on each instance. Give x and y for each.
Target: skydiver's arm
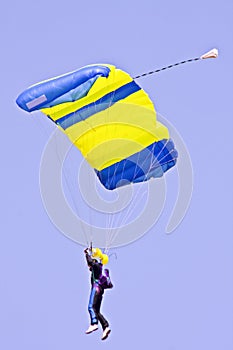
(89, 259)
(97, 268)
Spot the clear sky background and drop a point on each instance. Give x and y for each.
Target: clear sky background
(172, 292)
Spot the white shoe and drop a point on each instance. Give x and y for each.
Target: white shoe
(92, 328)
(106, 333)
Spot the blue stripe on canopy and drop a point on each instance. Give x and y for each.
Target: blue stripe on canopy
(103, 103)
(152, 161)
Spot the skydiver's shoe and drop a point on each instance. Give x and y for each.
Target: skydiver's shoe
(92, 328)
(106, 333)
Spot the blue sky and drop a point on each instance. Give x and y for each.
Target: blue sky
(172, 292)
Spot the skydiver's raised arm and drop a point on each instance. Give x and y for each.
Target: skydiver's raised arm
(88, 257)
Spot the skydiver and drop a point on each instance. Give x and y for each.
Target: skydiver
(99, 281)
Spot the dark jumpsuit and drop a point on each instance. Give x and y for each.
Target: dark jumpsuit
(96, 293)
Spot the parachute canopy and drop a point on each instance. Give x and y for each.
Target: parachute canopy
(110, 119)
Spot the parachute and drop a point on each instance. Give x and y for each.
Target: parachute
(110, 119)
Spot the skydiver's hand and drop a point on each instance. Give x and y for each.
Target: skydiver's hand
(86, 251)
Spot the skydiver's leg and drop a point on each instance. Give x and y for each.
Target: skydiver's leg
(93, 316)
(96, 307)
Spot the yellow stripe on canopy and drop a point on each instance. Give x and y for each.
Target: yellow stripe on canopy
(100, 88)
(133, 126)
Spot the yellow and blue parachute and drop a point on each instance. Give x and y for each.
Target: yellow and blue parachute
(110, 119)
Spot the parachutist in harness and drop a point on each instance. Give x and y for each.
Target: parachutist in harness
(100, 280)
